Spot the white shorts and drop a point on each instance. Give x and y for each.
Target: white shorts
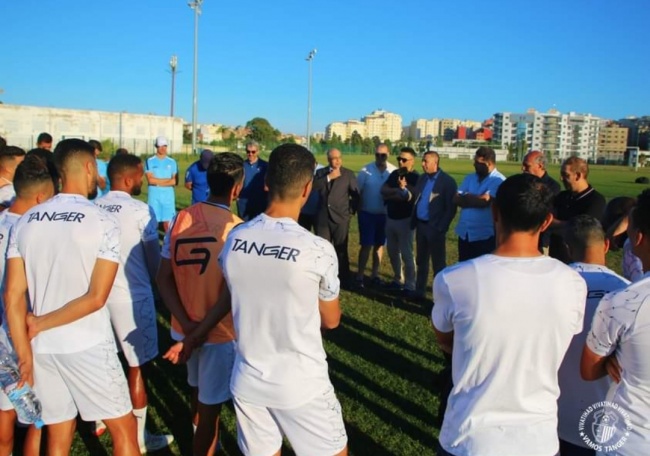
(135, 329)
(209, 369)
(91, 382)
(313, 429)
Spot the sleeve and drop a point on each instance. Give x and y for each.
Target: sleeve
(174, 166)
(494, 185)
(109, 248)
(361, 179)
(611, 320)
(464, 186)
(442, 312)
(146, 166)
(330, 285)
(149, 225)
(166, 247)
(188, 174)
(632, 266)
(12, 247)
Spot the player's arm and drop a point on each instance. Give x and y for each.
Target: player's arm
(101, 182)
(330, 313)
(445, 340)
(15, 297)
(152, 255)
(169, 295)
(594, 366)
(101, 282)
(181, 351)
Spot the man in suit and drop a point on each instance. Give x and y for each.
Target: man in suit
(433, 212)
(339, 198)
(253, 198)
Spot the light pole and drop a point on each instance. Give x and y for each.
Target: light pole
(309, 58)
(173, 64)
(196, 6)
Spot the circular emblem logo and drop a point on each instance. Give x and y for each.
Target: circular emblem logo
(604, 426)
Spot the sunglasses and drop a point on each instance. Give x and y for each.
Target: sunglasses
(381, 155)
(403, 160)
(251, 151)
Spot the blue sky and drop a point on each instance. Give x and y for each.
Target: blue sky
(418, 58)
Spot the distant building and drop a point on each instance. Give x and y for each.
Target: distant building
(383, 124)
(208, 132)
(558, 135)
(20, 125)
(612, 142)
(638, 134)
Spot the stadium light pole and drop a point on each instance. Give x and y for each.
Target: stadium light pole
(309, 59)
(173, 64)
(196, 6)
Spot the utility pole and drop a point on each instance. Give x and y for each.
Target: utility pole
(309, 59)
(196, 6)
(173, 64)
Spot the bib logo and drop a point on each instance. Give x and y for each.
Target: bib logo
(604, 426)
(195, 252)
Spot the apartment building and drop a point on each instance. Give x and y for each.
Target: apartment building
(383, 124)
(612, 142)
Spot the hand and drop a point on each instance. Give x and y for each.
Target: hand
(613, 368)
(334, 174)
(26, 373)
(32, 325)
(485, 197)
(178, 353)
(189, 327)
(401, 182)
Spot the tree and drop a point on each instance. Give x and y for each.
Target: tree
(356, 140)
(262, 131)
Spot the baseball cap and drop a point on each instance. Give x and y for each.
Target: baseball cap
(161, 141)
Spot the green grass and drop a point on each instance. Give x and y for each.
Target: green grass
(383, 359)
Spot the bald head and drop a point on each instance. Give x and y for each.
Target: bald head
(534, 163)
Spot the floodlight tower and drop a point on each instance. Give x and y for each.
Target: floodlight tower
(196, 6)
(173, 64)
(309, 59)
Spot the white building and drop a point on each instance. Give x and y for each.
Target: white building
(558, 135)
(21, 125)
(383, 124)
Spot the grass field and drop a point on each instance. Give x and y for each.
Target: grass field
(383, 359)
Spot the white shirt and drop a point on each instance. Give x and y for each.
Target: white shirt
(138, 225)
(632, 267)
(7, 221)
(369, 181)
(475, 223)
(576, 394)
(622, 325)
(513, 319)
(60, 241)
(276, 272)
(7, 194)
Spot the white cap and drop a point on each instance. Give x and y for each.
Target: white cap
(160, 141)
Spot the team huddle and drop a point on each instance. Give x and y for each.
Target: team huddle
(530, 342)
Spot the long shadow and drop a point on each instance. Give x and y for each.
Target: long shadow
(396, 300)
(361, 444)
(363, 327)
(407, 406)
(347, 387)
(401, 366)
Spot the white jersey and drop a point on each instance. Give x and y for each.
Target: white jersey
(622, 326)
(513, 320)
(7, 195)
(7, 221)
(60, 241)
(576, 395)
(138, 225)
(276, 272)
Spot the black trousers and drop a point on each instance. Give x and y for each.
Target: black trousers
(337, 234)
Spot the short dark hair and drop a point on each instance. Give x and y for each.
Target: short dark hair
(581, 232)
(640, 216)
(523, 202)
(291, 166)
(46, 157)
(3, 142)
(9, 154)
(121, 151)
(71, 149)
(224, 172)
(120, 164)
(96, 144)
(408, 150)
(44, 138)
(616, 208)
(32, 171)
(487, 153)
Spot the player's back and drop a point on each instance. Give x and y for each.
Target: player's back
(513, 319)
(276, 271)
(60, 242)
(137, 225)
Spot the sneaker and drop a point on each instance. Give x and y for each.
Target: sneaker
(377, 281)
(358, 283)
(155, 442)
(97, 428)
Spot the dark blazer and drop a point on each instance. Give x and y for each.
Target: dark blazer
(339, 199)
(442, 209)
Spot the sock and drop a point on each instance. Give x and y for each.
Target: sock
(141, 418)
